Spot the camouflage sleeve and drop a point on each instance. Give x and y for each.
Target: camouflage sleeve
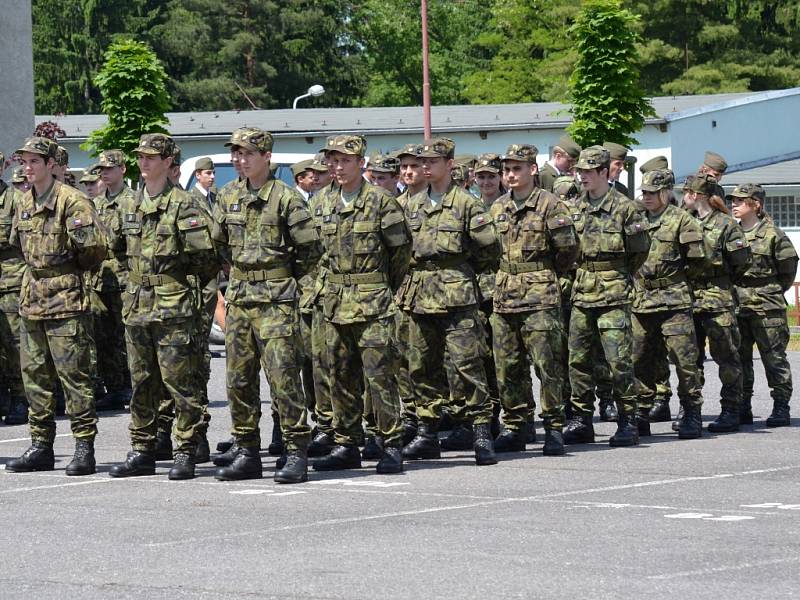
(194, 230)
(305, 239)
(86, 232)
(736, 251)
(785, 260)
(563, 237)
(397, 238)
(637, 240)
(485, 245)
(690, 237)
(219, 232)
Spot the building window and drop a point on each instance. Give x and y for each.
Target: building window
(784, 210)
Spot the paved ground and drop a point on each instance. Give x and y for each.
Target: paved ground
(710, 518)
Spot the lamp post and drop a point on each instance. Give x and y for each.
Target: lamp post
(314, 90)
(426, 82)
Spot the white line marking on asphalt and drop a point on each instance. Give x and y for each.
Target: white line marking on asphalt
(739, 567)
(28, 439)
(586, 504)
(689, 516)
(58, 485)
(271, 493)
(778, 505)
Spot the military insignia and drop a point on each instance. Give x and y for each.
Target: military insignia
(192, 222)
(130, 217)
(502, 217)
(562, 221)
(318, 212)
(480, 220)
(26, 215)
(414, 214)
(638, 226)
(326, 219)
(77, 222)
(235, 208)
(739, 244)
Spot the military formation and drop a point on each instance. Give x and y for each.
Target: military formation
(398, 304)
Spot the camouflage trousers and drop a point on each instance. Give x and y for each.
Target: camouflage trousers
(723, 342)
(109, 334)
(770, 332)
(460, 336)
(660, 334)
(53, 351)
(162, 359)
(536, 336)
(609, 328)
(404, 388)
(604, 386)
(9, 343)
(363, 354)
(307, 367)
(323, 408)
(265, 336)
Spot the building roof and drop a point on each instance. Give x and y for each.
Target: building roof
(786, 172)
(406, 119)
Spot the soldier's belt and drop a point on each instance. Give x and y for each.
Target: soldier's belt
(355, 278)
(604, 265)
(437, 265)
(153, 280)
(662, 282)
(723, 281)
(63, 269)
(758, 281)
(514, 268)
(261, 274)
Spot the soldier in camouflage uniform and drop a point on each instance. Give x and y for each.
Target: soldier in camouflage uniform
(167, 239)
(454, 238)
(614, 243)
(662, 304)
(384, 172)
(714, 304)
(108, 284)
(60, 236)
(762, 305)
(92, 182)
(539, 242)
(366, 245)
(12, 268)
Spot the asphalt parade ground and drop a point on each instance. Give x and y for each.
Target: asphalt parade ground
(717, 517)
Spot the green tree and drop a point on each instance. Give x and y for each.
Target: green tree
(607, 102)
(132, 83)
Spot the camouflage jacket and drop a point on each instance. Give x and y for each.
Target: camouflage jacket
(772, 271)
(614, 244)
(728, 259)
(539, 242)
(61, 238)
(167, 239)
(676, 252)
(268, 238)
(113, 273)
(547, 177)
(12, 264)
(366, 244)
(452, 241)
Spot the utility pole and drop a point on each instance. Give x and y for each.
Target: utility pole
(426, 81)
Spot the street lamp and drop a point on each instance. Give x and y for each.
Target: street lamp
(314, 90)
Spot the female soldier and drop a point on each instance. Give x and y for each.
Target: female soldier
(487, 176)
(762, 306)
(713, 293)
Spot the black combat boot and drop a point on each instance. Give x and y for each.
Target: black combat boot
(114, 400)
(321, 445)
(627, 433)
(579, 430)
(676, 424)
(425, 445)
(17, 412)
(530, 433)
(373, 448)
(275, 447)
(391, 462)
(202, 454)
(643, 422)
(295, 470)
(691, 425)
(446, 423)
(225, 445)
(409, 431)
(227, 457)
(553, 443)
(61, 402)
(726, 422)
(495, 426)
(340, 458)
(83, 462)
(483, 446)
(163, 446)
(660, 412)
(608, 411)
(183, 467)
(39, 457)
(745, 412)
(780, 414)
(510, 441)
(246, 465)
(137, 463)
(460, 438)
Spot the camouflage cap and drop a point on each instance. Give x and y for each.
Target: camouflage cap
(655, 163)
(438, 148)
(466, 159)
(570, 146)
(301, 167)
(62, 156)
(702, 183)
(715, 161)
(660, 179)
(328, 141)
(18, 175)
(460, 173)
(319, 163)
(91, 174)
(204, 164)
(616, 151)
(111, 158)
(156, 143)
(521, 152)
(488, 163)
(176, 156)
(39, 145)
(251, 138)
(381, 163)
(409, 150)
(347, 144)
(594, 157)
(565, 187)
(748, 190)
